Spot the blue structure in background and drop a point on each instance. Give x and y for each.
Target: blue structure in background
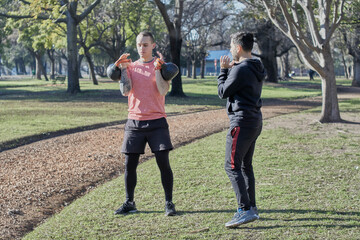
(210, 60)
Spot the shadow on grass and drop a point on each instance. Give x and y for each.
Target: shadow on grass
(108, 96)
(179, 213)
(300, 211)
(274, 211)
(304, 226)
(103, 95)
(39, 137)
(62, 96)
(296, 217)
(350, 122)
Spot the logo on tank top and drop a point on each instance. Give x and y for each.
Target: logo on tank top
(142, 72)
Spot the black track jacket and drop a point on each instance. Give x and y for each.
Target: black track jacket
(242, 85)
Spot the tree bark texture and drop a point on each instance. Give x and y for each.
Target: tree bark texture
(92, 68)
(202, 68)
(174, 29)
(356, 70)
(193, 69)
(267, 45)
(72, 52)
(188, 68)
(38, 66)
(330, 107)
(52, 62)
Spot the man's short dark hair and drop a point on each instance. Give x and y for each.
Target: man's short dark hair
(245, 40)
(147, 34)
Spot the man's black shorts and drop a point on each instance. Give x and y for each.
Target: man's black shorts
(138, 133)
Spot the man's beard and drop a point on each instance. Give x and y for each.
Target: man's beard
(235, 57)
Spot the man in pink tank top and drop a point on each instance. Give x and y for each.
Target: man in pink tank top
(146, 90)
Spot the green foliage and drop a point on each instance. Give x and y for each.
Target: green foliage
(34, 33)
(352, 9)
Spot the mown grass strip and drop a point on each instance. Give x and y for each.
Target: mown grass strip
(32, 107)
(307, 188)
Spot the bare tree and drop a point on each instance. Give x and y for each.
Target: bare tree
(312, 38)
(271, 42)
(194, 11)
(353, 44)
(174, 29)
(351, 35)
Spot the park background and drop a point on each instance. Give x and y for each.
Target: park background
(53, 59)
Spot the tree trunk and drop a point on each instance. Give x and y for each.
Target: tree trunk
(17, 66)
(80, 59)
(188, 68)
(38, 66)
(193, 69)
(270, 65)
(330, 106)
(52, 62)
(91, 65)
(356, 71)
(286, 65)
(175, 50)
(346, 73)
(72, 54)
(267, 45)
(174, 28)
(1, 67)
(20, 66)
(202, 68)
(59, 66)
(43, 69)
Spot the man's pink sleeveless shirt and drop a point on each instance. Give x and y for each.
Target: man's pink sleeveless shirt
(144, 99)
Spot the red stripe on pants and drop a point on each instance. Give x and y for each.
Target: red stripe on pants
(235, 134)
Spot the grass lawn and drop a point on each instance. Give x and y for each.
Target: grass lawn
(307, 177)
(30, 107)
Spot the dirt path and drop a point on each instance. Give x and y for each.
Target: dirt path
(41, 178)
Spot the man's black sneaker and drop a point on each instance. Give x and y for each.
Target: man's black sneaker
(127, 207)
(170, 209)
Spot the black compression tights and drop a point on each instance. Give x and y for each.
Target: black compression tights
(162, 160)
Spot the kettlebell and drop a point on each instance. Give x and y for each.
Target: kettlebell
(169, 71)
(113, 72)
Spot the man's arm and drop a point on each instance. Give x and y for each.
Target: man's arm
(162, 85)
(125, 82)
(228, 82)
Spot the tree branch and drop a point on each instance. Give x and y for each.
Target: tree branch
(88, 10)
(292, 33)
(162, 9)
(257, 55)
(285, 51)
(294, 30)
(337, 19)
(314, 31)
(42, 17)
